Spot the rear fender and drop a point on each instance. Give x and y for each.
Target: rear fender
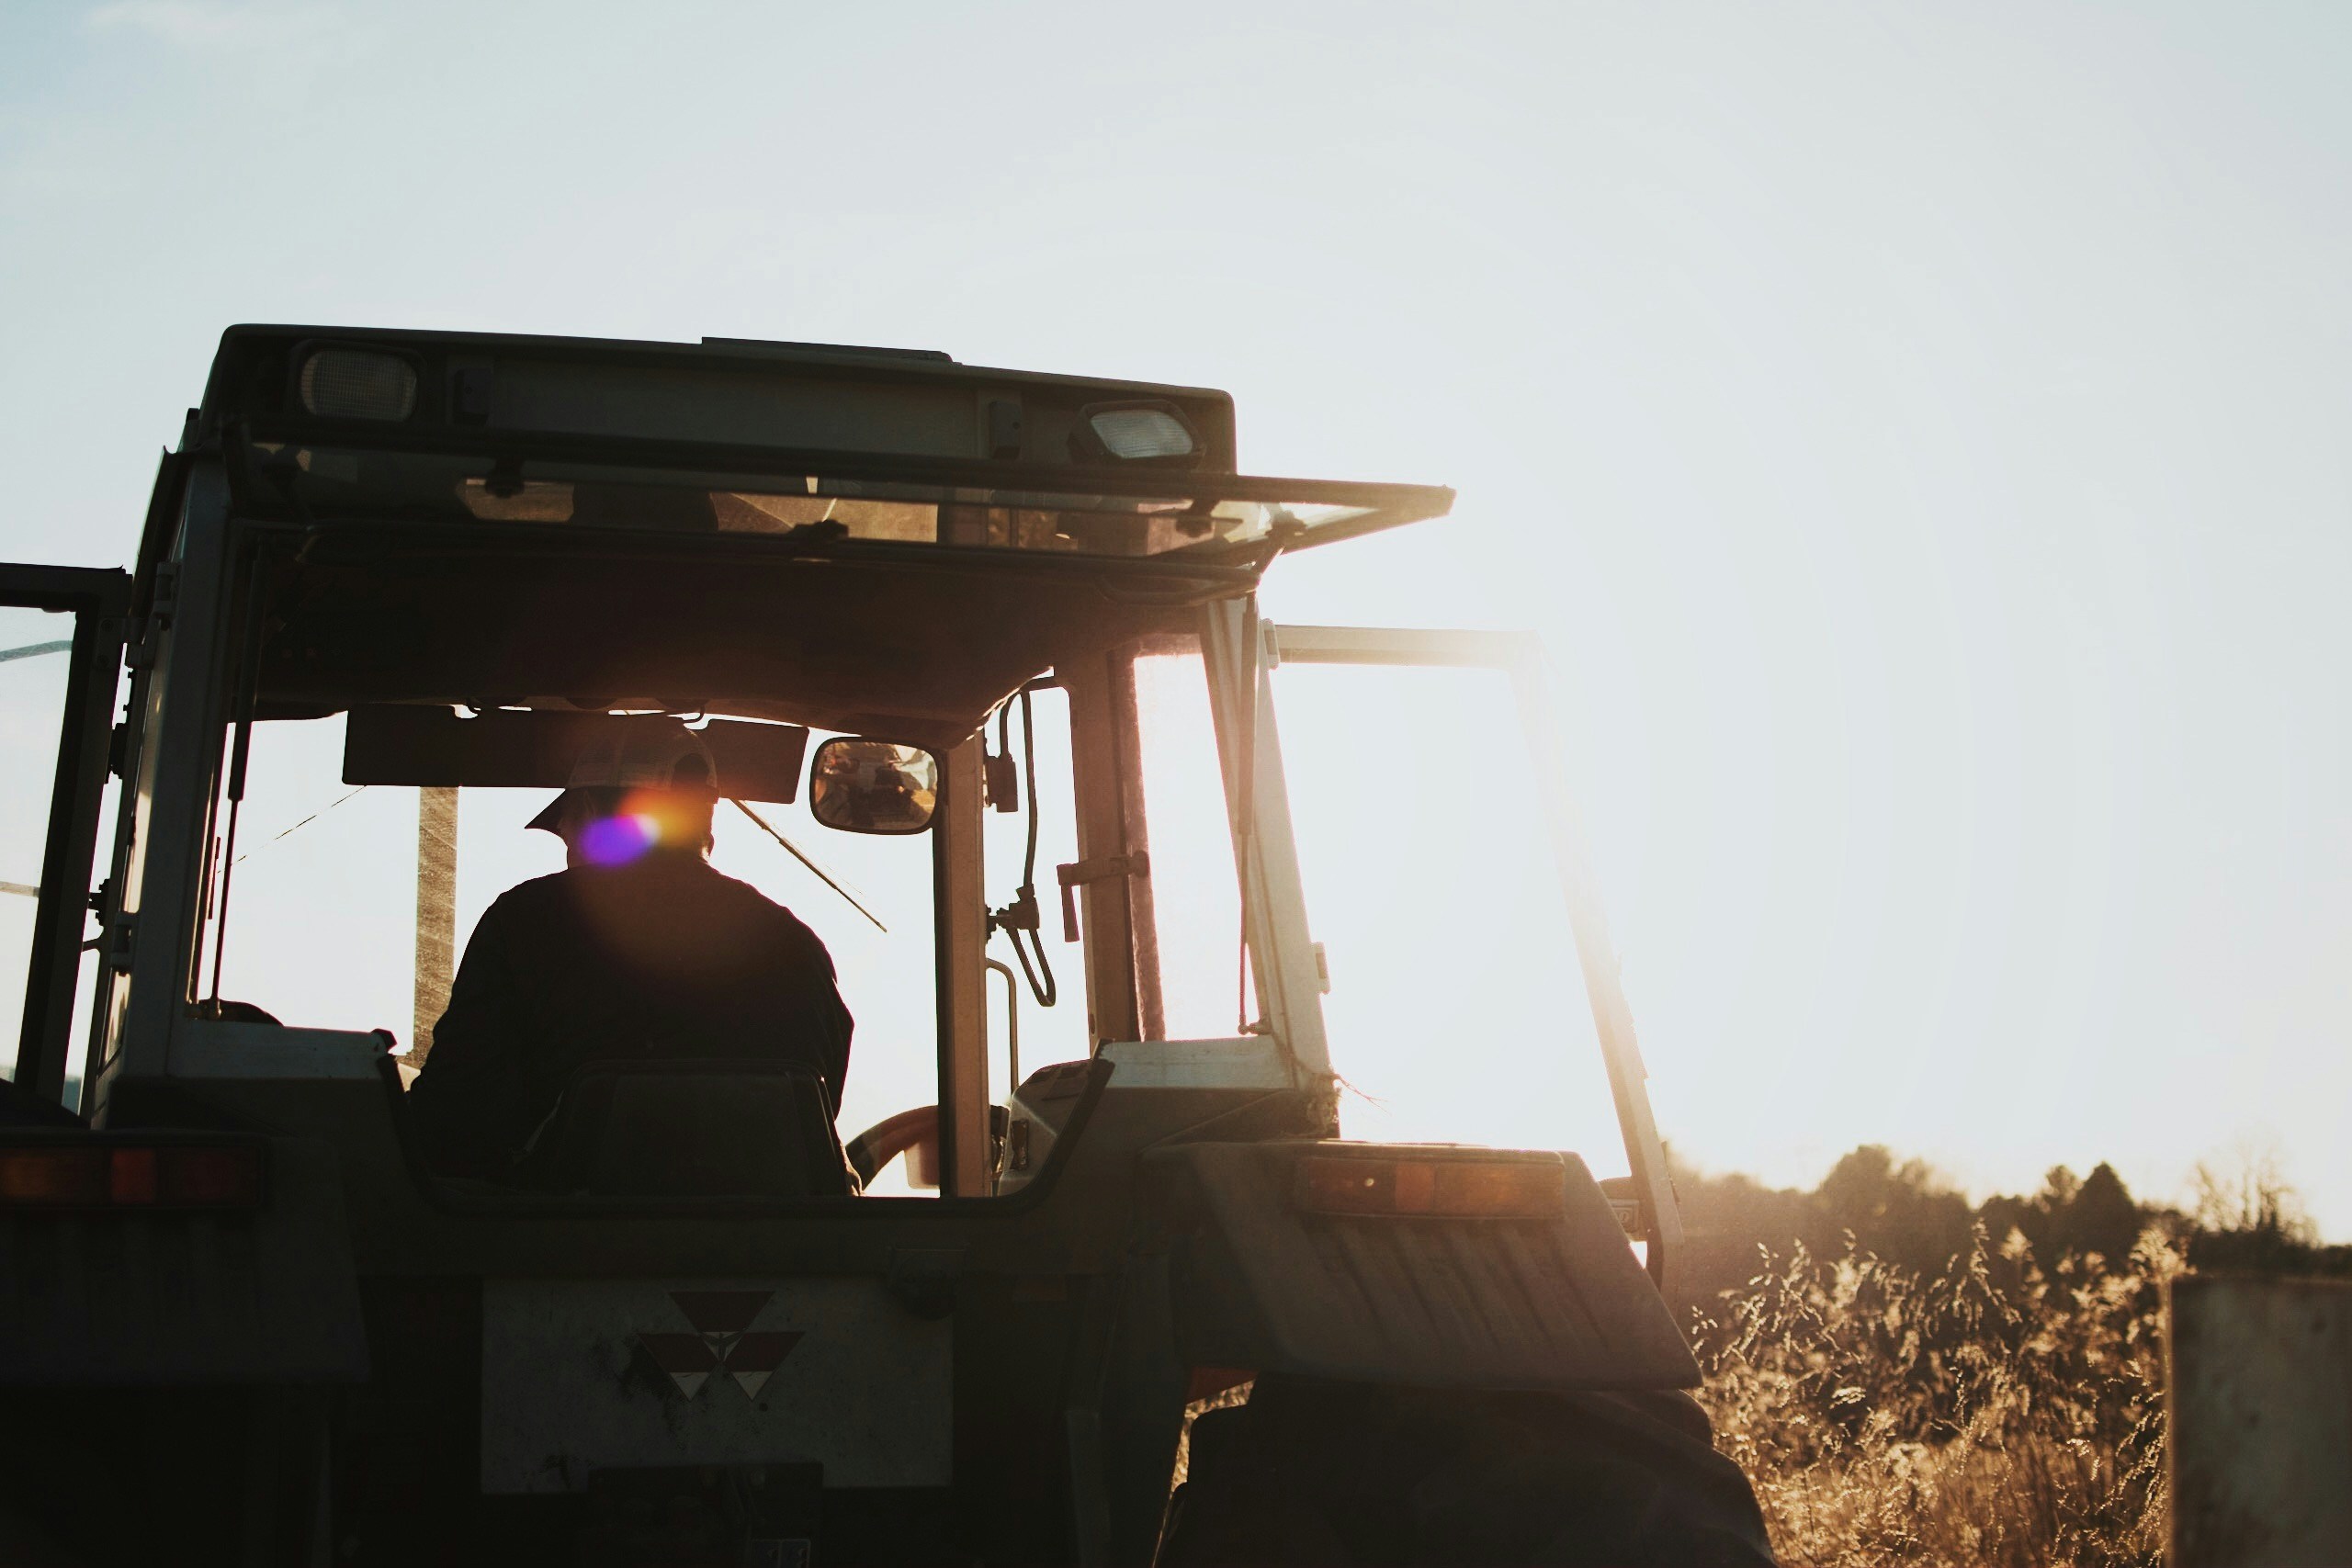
(1258, 1282)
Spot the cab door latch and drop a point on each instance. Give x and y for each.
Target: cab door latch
(1102, 868)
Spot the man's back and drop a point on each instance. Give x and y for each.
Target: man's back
(662, 957)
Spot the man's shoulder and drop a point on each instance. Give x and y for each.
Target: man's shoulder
(552, 888)
(533, 902)
(757, 906)
(702, 884)
(740, 892)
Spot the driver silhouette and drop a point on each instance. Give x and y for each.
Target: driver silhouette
(637, 949)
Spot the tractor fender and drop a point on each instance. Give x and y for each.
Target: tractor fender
(130, 1296)
(1264, 1279)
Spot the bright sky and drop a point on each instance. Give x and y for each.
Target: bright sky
(1917, 432)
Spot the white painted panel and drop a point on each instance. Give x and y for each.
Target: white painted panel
(203, 1048)
(1252, 1061)
(573, 1380)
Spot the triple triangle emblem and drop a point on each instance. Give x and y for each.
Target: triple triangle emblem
(723, 1341)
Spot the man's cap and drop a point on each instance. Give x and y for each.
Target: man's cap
(638, 753)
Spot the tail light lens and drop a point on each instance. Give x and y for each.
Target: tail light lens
(131, 1176)
(1453, 1189)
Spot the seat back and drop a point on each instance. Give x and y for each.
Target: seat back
(692, 1128)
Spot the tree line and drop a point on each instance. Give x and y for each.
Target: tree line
(1903, 1211)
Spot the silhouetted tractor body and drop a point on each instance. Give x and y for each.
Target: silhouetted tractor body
(245, 1323)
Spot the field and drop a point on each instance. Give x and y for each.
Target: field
(1909, 1378)
(1995, 1413)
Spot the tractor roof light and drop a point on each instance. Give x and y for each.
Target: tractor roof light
(1144, 432)
(357, 383)
(1437, 1188)
(72, 1174)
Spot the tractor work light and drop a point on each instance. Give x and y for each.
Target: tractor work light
(76, 1175)
(357, 383)
(1133, 432)
(1438, 1189)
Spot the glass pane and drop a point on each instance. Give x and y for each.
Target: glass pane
(35, 654)
(887, 977)
(1457, 1012)
(1196, 900)
(322, 904)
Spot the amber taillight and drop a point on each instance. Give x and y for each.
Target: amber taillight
(75, 1175)
(1458, 1188)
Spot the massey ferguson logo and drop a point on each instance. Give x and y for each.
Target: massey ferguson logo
(722, 1341)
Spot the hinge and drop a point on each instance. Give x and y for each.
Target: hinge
(121, 936)
(139, 653)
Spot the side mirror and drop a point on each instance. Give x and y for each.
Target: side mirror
(873, 786)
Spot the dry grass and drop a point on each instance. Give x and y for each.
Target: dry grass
(1997, 1414)
(1237, 1394)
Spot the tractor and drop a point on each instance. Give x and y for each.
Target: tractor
(1141, 1303)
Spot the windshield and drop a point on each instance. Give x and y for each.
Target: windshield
(325, 898)
(332, 887)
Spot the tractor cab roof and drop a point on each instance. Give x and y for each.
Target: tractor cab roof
(867, 539)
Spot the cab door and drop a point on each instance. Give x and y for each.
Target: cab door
(1442, 746)
(60, 660)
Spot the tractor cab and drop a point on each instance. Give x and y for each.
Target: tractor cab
(976, 660)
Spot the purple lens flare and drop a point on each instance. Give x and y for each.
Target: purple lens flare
(616, 840)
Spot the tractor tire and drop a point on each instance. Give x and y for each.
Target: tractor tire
(1329, 1473)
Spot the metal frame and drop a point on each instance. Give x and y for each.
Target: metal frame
(1273, 903)
(1023, 483)
(1518, 655)
(98, 598)
(1102, 755)
(178, 725)
(960, 927)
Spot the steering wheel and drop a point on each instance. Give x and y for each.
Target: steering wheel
(914, 1134)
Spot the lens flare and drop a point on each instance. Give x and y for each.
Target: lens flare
(616, 840)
